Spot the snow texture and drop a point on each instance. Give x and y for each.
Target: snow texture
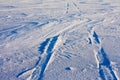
(60, 40)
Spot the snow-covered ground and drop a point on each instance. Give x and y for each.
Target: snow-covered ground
(59, 39)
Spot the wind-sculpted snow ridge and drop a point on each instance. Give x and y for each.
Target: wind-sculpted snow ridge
(18, 31)
(46, 50)
(103, 62)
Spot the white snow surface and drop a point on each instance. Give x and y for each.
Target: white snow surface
(59, 39)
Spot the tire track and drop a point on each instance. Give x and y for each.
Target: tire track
(74, 4)
(48, 56)
(46, 51)
(67, 8)
(102, 60)
(105, 69)
(43, 45)
(77, 7)
(28, 71)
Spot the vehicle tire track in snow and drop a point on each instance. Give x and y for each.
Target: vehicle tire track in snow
(43, 45)
(103, 62)
(77, 7)
(67, 8)
(46, 51)
(38, 67)
(48, 56)
(105, 69)
(28, 71)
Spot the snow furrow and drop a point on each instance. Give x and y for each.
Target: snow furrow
(96, 37)
(76, 7)
(28, 71)
(46, 51)
(93, 37)
(48, 56)
(43, 45)
(105, 69)
(67, 8)
(102, 60)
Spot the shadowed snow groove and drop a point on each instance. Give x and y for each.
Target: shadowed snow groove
(67, 8)
(93, 37)
(105, 69)
(47, 57)
(25, 71)
(96, 37)
(43, 45)
(103, 62)
(77, 7)
(46, 51)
